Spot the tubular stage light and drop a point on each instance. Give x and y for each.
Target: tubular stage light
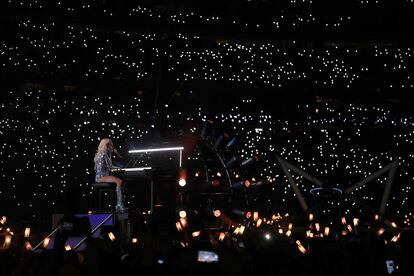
(249, 161)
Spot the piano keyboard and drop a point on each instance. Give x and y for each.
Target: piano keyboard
(131, 169)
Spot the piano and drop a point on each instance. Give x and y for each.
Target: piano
(131, 173)
(155, 167)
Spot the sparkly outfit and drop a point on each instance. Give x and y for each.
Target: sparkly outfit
(103, 165)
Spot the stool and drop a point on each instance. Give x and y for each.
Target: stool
(103, 188)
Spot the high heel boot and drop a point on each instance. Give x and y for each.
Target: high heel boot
(120, 207)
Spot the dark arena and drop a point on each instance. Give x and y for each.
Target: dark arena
(239, 137)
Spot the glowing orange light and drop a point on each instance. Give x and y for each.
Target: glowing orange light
(300, 247)
(356, 221)
(178, 226)
(217, 213)
(380, 231)
(111, 236)
(46, 242)
(27, 232)
(247, 183)
(28, 246)
(7, 241)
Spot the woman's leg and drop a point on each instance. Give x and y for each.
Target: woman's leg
(120, 207)
(111, 178)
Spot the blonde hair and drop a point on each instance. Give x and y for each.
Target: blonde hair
(103, 147)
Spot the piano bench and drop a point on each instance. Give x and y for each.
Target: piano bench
(103, 189)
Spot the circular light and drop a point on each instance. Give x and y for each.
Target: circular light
(217, 213)
(182, 214)
(182, 182)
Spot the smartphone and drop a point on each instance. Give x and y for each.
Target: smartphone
(390, 266)
(207, 256)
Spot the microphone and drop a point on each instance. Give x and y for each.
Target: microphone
(117, 153)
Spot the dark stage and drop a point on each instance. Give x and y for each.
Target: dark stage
(251, 136)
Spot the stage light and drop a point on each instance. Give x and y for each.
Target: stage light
(205, 128)
(218, 141)
(249, 161)
(183, 178)
(182, 182)
(232, 161)
(256, 183)
(217, 213)
(182, 213)
(240, 184)
(231, 142)
(241, 213)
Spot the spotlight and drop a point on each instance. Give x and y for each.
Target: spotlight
(182, 182)
(249, 161)
(205, 128)
(257, 183)
(218, 141)
(240, 184)
(231, 142)
(182, 213)
(232, 161)
(241, 213)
